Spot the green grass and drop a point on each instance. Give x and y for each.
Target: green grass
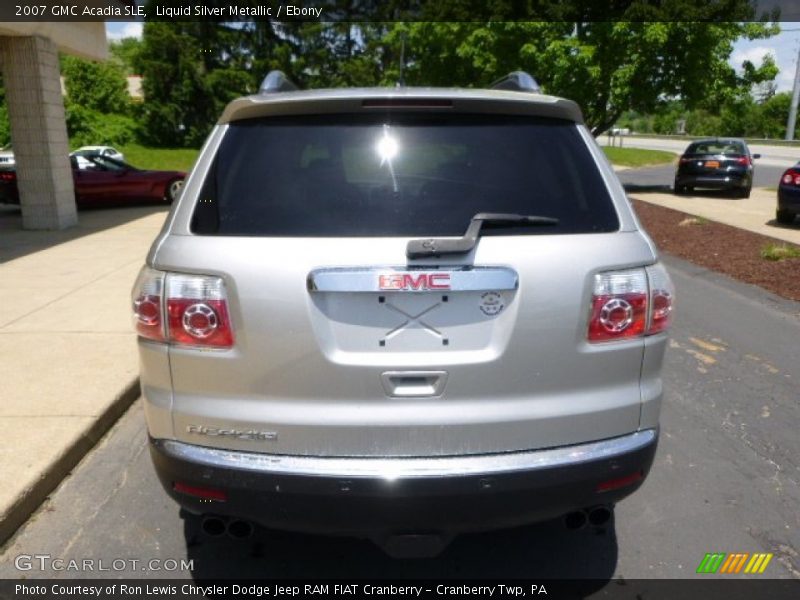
(691, 221)
(637, 157)
(162, 159)
(182, 159)
(777, 252)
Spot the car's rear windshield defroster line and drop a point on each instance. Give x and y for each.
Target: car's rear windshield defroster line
(393, 174)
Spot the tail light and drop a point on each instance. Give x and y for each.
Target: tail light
(8, 176)
(148, 316)
(662, 296)
(743, 160)
(189, 310)
(631, 303)
(791, 177)
(197, 311)
(619, 305)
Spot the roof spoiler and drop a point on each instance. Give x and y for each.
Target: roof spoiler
(277, 81)
(517, 81)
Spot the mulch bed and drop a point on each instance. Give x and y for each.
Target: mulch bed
(723, 248)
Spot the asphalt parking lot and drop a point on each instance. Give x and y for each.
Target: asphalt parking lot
(726, 479)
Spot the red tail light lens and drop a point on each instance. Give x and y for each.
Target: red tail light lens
(189, 310)
(631, 303)
(197, 311)
(147, 294)
(619, 305)
(743, 160)
(8, 176)
(791, 177)
(662, 295)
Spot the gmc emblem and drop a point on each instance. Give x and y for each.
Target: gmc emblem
(416, 282)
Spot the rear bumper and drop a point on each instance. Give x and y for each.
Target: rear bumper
(789, 199)
(730, 180)
(375, 496)
(9, 194)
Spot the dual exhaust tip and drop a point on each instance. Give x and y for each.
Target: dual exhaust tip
(238, 529)
(595, 516)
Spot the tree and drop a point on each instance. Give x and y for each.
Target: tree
(99, 86)
(703, 122)
(178, 109)
(666, 120)
(607, 67)
(5, 124)
(97, 106)
(125, 53)
(639, 62)
(191, 69)
(774, 113)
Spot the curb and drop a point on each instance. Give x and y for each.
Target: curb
(32, 498)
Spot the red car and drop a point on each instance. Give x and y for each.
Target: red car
(100, 180)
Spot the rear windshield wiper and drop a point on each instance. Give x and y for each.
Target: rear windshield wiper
(438, 246)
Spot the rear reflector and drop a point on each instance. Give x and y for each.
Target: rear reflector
(200, 492)
(615, 484)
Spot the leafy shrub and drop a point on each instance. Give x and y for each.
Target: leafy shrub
(776, 252)
(87, 127)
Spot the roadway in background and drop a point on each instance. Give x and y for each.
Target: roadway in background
(767, 169)
(775, 156)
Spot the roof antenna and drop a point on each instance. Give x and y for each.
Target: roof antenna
(400, 81)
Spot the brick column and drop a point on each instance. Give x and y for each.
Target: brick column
(38, 132)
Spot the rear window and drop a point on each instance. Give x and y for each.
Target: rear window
(395, 175)
(719, 147)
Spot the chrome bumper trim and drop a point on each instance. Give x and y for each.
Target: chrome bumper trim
(403, 279)
(410, 467)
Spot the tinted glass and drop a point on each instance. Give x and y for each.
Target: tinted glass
(395, 175)
(718, 147)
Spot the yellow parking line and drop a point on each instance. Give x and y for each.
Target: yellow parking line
(706, 345)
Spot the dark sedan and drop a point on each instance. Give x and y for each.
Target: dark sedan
(719, 164)
(100, 180)
(789, 196)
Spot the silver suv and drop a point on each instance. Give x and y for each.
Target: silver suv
(401, 314)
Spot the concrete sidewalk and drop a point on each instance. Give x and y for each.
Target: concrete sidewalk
(756, 213)
(68, 363)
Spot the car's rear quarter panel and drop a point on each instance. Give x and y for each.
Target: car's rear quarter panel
(536, 382)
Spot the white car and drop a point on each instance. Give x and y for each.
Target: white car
(7, 157)
(104, 151)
